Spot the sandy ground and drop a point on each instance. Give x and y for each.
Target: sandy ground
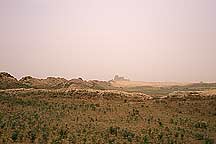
(140, 83)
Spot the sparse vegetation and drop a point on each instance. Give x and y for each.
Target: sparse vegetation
(105, 116)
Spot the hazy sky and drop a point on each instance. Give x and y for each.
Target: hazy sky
(147, 40)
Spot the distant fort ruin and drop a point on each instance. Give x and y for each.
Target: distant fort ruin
(119, 78)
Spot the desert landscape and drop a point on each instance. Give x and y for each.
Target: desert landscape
(56, 110)
(107, 72)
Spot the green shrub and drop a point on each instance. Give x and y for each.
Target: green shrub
(199, 136)
(111, 141)
(145, 140)
(14, 135)
(201, 124)
(113, 130)
(32, 135)
(128, 135)
(63, 134)
(209, 141)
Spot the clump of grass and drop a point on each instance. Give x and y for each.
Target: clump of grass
(128, 135)
(14, 135)
(145, 140)
(32, 134)
(209, 141)
(201, 125)
(113, 130)
(199, 136)
(160, 123)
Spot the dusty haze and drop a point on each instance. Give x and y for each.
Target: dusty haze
(145, 40)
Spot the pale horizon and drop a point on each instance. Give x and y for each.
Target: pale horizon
(143, 40)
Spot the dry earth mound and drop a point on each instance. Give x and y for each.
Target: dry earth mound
(79, 94)
(91, 84)
(101, 85)
(48, 83)
(192, 95)
(78, 83)
(7, 81)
